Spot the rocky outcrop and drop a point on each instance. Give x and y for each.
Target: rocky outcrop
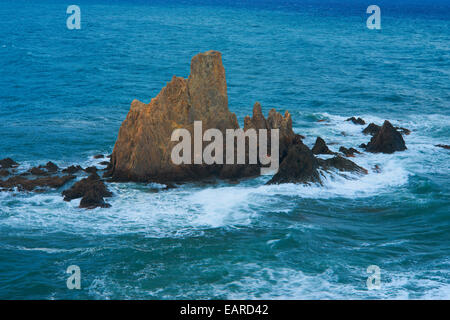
(387, 140)
(8, 163)
(23, 184)
(72, 169)
(299, 166)
(350, 152)
(92, 190)
(443, 146)
(143, 148)
(372, 129)
(320, 147)
(356, 120)
(342, 164)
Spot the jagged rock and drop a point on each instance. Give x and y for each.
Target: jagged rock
(50, 167)
(341, 164)
(320, 147)
(99, 156)
(299, 166)
(92, 169)
(93, 199)
(104, 163)
(24, 184)
(37, 171)
(8, 163)
(387, 140)
(348, 152)
(372, 129)
(143, 148)
(72, 169)
(4, 173)
(84, 187)
(356, 120)
(443, 146)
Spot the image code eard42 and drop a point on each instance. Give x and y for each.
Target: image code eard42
(225, 158)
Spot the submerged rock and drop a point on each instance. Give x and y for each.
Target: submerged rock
(4, 173)
(320, 147)
(387, 140)
(23, 184)
(341, 164)
(372, 129)
(403, 130)
(72, 169)
(37, 171)
(356, 120)
(8, 163)
(99, 156)
(443, 146)
(50, 167)
(92, 169)
(348, 152)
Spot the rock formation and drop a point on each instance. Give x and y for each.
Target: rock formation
(8, 163)
(356, 120)
(143, 148)
(92, 190)
(320, 147)
(299, 166)
(350, 152)
(387, 140)
(372, 129)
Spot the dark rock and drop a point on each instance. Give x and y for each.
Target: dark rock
(4, 173)
(341, 164)
(387, 140)
(99, 156)
(8, 163)
(80, 188)
(443, 146)
(72, 169)
(24, 184)
(92, 199)
(36, 171)
(363, 145)
(50, 167)
(356, 121)
(104, 163)
(372, 129)
(91, 169)
(349, 152)
(320, 147)
(299, 166)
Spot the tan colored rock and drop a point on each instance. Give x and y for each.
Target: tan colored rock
(143, 148)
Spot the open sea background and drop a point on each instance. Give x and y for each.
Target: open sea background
(64, 94)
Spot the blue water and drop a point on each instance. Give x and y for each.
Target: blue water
(64, 94)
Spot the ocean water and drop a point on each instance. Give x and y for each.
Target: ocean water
(64, 94)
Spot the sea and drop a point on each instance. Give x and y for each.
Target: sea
(65, 92)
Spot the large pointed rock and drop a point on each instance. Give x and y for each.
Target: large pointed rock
(387, 140)
(143, 148)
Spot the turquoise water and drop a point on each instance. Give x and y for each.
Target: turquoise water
(64, 94)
